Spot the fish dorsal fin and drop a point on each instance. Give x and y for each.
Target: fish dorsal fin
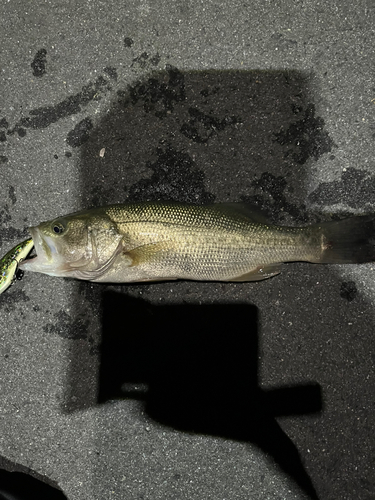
(244, 210)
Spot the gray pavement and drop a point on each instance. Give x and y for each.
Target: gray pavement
(189, 390)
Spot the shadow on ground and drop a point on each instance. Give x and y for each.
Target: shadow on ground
(196, 367)
(21, 483)
(193, 136)
(198, 137)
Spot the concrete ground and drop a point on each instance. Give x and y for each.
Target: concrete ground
(188, 390)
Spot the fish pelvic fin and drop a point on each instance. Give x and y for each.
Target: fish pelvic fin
(348, 241)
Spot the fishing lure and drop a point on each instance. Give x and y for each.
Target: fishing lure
(9, 263)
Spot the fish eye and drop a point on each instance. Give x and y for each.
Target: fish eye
(58, 228)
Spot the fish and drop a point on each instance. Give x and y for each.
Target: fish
(157, 241)
(9, 263)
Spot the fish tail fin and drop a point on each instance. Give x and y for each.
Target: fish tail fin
(348, 241)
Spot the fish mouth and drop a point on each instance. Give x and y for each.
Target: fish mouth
(44, 258)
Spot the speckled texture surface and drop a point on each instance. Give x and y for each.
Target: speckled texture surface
(189, 390)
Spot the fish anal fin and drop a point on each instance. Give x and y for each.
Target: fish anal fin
(259, 273)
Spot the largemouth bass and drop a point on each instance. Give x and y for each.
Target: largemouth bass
(10, 262)
(167, 241)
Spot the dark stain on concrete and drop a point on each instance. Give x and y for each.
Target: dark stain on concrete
(11, 298)
(21, 132)
(158, 96)
(80, 134)
(128, 42)
(5, 216)
(12, 195)
(348, 290)
(174, 177)
(207, 91)
(43, 117)
(141, 60)
(111, 72)
(145, 60)
(270, 197)
(3, 159)
(155, 60)
(7, 232)
(3, 124)
(305, 138)
(67, 327)
(201, 126)
(356, 189)
(39, 63)
(12, 234)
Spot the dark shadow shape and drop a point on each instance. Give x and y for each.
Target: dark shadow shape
(20, 486)
(7, 466)
(163, 136)
(197, 368)
(169, 132)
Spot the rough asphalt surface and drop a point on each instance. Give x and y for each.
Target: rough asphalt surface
(187, 390)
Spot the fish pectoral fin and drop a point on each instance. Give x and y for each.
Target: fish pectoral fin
(144, 253)
(259, 273)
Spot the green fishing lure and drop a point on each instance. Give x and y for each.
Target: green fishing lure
(9, 263)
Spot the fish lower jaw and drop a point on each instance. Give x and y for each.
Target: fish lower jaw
(42, 265)
(34, 265)
(39, 265)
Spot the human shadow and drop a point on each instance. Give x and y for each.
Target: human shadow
(196, 368)
(191, 136)
(195, 136)
(18, 482)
